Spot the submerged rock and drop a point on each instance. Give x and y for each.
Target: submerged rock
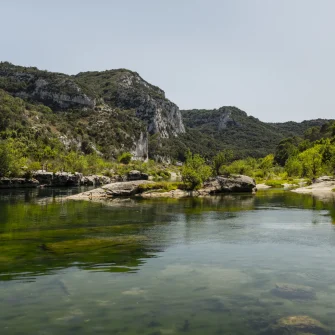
(235, 183)
(294, 292)
(300, 324)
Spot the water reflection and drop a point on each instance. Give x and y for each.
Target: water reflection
(39, 232)
(237, 264)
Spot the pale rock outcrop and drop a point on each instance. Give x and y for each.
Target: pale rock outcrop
(127, 188)
(234, 183)
(120, 189)
(322, 188)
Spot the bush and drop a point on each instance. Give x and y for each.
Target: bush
(125, 158)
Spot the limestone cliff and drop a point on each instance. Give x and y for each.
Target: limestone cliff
(54, 89)
(127, 90)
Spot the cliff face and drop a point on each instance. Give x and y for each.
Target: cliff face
(53, 89)
(127, 90)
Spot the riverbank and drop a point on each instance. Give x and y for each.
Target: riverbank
(151, 189)
(322, 188)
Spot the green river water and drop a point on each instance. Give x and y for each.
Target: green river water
(155, 267)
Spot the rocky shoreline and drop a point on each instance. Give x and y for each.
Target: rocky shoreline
(321, 188)
(217, 185)
(67, 179)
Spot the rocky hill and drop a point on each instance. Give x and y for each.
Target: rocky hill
(114, 111)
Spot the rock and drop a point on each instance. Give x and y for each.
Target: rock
(95, 180)
(137, 175)
(324, 178)
(235, 183)
(262, 187)
(66, 179)
(169, 194)
(294, 292)
(18, 183)
(58, 178)
(127, 188)
(44, 178)
(300, 324)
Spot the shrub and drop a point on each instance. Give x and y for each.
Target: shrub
(125, 158)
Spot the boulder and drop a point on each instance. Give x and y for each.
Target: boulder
(58, 178)
(300, 324)
(95, 180)
(18, 183)
(136, 175)
(44, 178)
(66, 179)
(234, 183)
(294, 292)
(127, 188)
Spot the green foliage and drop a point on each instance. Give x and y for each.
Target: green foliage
(275, 183)
(222, 158)
(5, 160)
(240, 167)
(293, 166)
(195, 171)
(311, 162)
(161, 186)
(125, 158)
(12, 159)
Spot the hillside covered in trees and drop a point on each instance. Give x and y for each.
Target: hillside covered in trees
(85, 121)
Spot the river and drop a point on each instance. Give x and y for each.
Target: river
(222, 265)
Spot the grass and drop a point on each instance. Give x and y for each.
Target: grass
(279, 183)
(163, 186)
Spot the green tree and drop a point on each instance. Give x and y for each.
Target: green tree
(4, 160)
(311, 161)
(222, 158)
(294, 167)
(195, 171)
(266, 165)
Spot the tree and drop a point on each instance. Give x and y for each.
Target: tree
(195, 171)
(294, 167)
(266, 165)
(311, 161)
(285, 149)
(4, 160)
(222, 158)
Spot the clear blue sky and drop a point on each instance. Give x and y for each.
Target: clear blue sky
(272, 58)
